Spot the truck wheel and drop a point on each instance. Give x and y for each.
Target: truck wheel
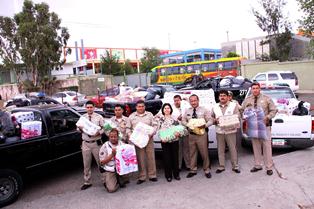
(10, 186)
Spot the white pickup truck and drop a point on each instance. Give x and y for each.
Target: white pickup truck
(288, 131)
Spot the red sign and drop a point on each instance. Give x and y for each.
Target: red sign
(163, 52)
(90, 54)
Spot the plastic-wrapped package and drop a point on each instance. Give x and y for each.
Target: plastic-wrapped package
(23, 116)
(229, 121)
(169, 134)
(140, 134)
(194, 123)
(125, 159)
(88, 127)
(31, 129)
(256, 127)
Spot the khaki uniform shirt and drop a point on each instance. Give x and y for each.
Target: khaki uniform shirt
(263, 101)
(146, 117)
(201, 112)
(123, 124)
(97, 120)
(223, 110)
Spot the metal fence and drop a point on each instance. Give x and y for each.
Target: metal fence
(133, 80)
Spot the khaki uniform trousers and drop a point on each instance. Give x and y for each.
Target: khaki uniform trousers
(198, 143)
(231, 140)
(184, 152)
(146, 161)
(111, 181)
(88, 151)
(266, 146)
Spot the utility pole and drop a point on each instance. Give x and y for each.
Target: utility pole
(227, 35)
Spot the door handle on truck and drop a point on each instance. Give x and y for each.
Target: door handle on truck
(278, 121)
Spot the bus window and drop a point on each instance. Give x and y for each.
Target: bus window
(182, 69)
(228, 65)
(196, 67)
(212, 66)
(175, 70)
(190, 69)
(205, 67)
(162, 71)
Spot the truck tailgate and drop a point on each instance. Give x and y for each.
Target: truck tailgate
(291, 126)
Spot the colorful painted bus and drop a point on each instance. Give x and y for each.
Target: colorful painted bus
(178, 73)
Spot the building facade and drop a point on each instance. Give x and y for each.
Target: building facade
(252, 49)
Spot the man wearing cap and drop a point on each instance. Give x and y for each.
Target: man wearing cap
(90, 144)
(259, 100)
(226, 134)
(197, 143)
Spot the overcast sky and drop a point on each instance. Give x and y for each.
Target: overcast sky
(178, 24)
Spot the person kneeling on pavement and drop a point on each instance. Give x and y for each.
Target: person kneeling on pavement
(107, 161)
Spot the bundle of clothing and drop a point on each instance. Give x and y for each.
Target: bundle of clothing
(170, 134)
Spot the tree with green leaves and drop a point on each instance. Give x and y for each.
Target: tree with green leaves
(232, 54)
(272, 21)
(41, 40)
(110, 64)
(127, 68)
(307, 23)
(150, 60)
(9, 46)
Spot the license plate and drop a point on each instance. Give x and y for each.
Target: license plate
(278, 142)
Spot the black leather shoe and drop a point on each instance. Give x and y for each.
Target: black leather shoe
(220, 170)
(236, 170)
(269, 172)
(208, 175)
(85, 186)
(140, 181)
(169, 179)
(254, 169)
(122, 185)
(190, 175)
(153, 179)
(177, 178)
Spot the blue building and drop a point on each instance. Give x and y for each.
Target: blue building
(191, 56)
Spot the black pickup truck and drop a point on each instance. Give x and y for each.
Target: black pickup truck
(59, 139)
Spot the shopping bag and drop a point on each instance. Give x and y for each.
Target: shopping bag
(125, 159)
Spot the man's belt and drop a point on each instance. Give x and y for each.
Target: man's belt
(92, 141)
(192, 133)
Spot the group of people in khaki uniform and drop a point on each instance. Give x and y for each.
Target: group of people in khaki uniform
(189, 146)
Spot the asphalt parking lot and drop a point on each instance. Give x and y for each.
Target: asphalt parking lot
(59, 187)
